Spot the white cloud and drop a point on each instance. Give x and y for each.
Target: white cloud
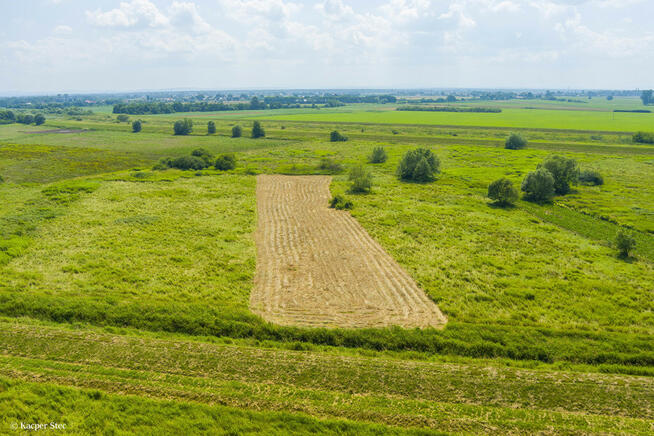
(62, 29)
(136, 13)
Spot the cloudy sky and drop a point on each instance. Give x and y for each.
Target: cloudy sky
(105, 45)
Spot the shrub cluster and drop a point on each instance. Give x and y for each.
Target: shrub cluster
(9, 117)
(553, 176)
(624, 242)
(198, 160)
(183, 127)
(122, 118)
(335, 136)
(330, 166)
(502, 192)
(225, 162)
(643, 137)
(378, 155)
(538, 186)
(136, 126)
(591, 177)
(515, 141)
(237, 132)
(339, 202)
(257, 130)
(419, 165)
(361, 179)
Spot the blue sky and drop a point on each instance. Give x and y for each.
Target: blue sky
(75, 45)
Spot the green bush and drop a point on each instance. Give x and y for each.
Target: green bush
(330, 166)
(237, 132)
(183, 127)
(643, 137)
(257, 130)
(211, 128)
(420, 165)
(2, 180)
(225, 162)
(565, 172)
(378, 155)
(203, 154)
(335, 136)
(188, 163)
(361, 179)
(122, 118)
(538, 186)
(515, 141)
(339, 202)
(39, 119)
(136, 126)
(591, 177)
(624, 242)
(502, 192)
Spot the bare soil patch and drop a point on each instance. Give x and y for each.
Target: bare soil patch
(318, 267)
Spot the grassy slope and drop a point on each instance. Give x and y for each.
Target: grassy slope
(447, 397)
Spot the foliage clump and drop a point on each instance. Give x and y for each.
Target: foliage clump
(361, 179)
(378, 155)
(203, 154)
(515, 141)
(419, 165)
(237, 132)
(183, 127)
(565, 172)
(591, 178)
(122, 118)
(211, 128)
(538, 186)
(335, 136)
(643, 137)
(188, 163)
(136, 126)
(39, 119)
(225, 162)
(503, 192)
(257, 130)
(339, 202)
(625, 243)
(330, 166)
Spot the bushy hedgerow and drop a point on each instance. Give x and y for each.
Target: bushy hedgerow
(378, 155)
(515, 141)
(643, 137)
(225, 162)
(188, 163)
(204, 155)
(502, 192)
(419, 165)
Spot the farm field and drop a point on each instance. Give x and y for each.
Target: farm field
(139, 294)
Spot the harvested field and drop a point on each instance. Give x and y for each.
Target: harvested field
(318, 267)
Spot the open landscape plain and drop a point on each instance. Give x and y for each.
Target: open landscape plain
(140, 298)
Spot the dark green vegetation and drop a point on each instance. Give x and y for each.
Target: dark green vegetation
(125, 290)
(538, 186)
(335, 136)
(515, 141)
(644, 137)
(136, 126)
(502, 192)
(361, 179)
(378, 155)
(183, 127)
(419, 165)
(257, 130)
(211, 128)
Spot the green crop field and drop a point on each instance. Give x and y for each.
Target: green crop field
(125, 289)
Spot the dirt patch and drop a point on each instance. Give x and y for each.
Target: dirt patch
(57, 131)
(318, 267)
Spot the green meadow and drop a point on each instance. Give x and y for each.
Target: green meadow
(124, 290)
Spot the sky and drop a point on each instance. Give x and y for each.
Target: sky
(52, 46)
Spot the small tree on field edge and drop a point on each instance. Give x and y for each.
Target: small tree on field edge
(502, 192)
(237, 132)
(136, 126)
(420, 165)
(225, 162)
(625, 242)
(565, 172)
(183, 127)
(257, 130)
(361, 179)
(211, 128)
(335, 136)
(515, 141)
(39, 119)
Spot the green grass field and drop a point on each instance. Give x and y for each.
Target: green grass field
(124, 291)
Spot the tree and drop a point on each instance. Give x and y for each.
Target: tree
(609, 97)
(451, 99)
(335, 136)
(647, 97)
(515, 141)
(122, 118)
(378, 155)
(625, 242)
(225, 162)
(39, 119)
(361, 179)
(183, 127)
(257, 130)
(406, 170)
(237, 132)
(211, 128)
(25, 118)
(136, 126)
(502, 192)
(538, 186)
(565, 172)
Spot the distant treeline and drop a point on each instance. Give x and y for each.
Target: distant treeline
(636, 111)
(9, 117)
(276, 102)
(491, 110)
